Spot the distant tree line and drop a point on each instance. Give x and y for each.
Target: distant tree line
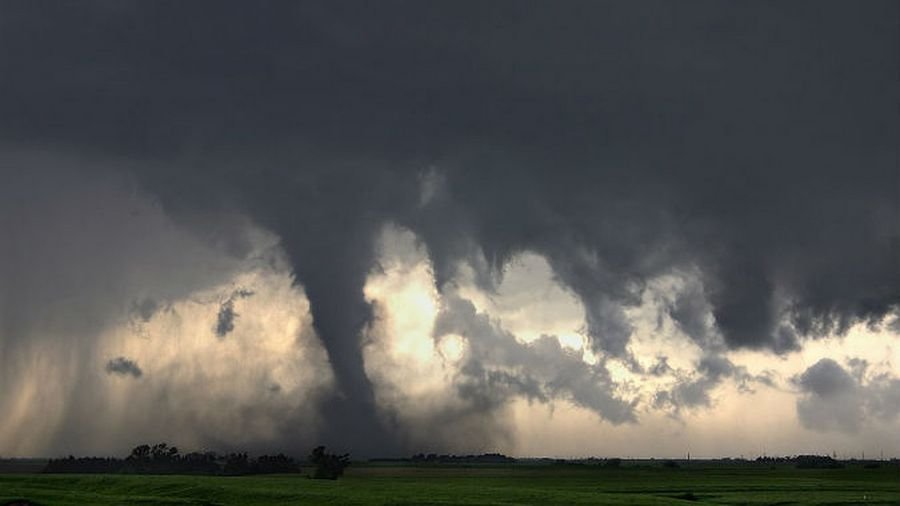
(164, 459)
(485, 458)
(805, 461)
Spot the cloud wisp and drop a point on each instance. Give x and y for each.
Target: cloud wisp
(123, 367)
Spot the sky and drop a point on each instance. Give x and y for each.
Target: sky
(634, 229)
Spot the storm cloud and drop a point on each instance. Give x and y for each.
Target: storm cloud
(753, 145)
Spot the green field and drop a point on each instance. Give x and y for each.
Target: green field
(475, 485)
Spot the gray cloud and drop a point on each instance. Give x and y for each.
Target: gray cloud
(833, 399)
(687, 394)
(894, 325)
(661, 367)
(705, 136)
(884, 397)
(498, 367)
(826, 378)
(123, 367)
(715, 367)
(692, 390)
(689, 310)
(145, 309)
(858, 367)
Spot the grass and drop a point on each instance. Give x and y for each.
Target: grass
(475, 485)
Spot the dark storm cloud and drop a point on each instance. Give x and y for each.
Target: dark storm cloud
(80, 242)
(753, 142)
(688, 311)
(123, 367)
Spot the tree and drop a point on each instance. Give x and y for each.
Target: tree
(280, 463)
(140, 453)
(237, 463)
(328, 466)
(162, 452)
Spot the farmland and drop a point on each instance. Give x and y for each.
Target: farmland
(520, 484)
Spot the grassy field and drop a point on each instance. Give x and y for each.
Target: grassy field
(476, 485)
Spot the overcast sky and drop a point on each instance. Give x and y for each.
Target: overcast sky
(542, 228)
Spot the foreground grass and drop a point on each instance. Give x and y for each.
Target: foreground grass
(503, 485)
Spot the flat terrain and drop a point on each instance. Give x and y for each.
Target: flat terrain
(476, 485)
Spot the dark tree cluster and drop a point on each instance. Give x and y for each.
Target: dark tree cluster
(272, 464)
(594, 461)
(328, 466)
(72, 464)
(804, 461)
(613, 462)
(816, 462)
(164, 459)
(485, 458)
